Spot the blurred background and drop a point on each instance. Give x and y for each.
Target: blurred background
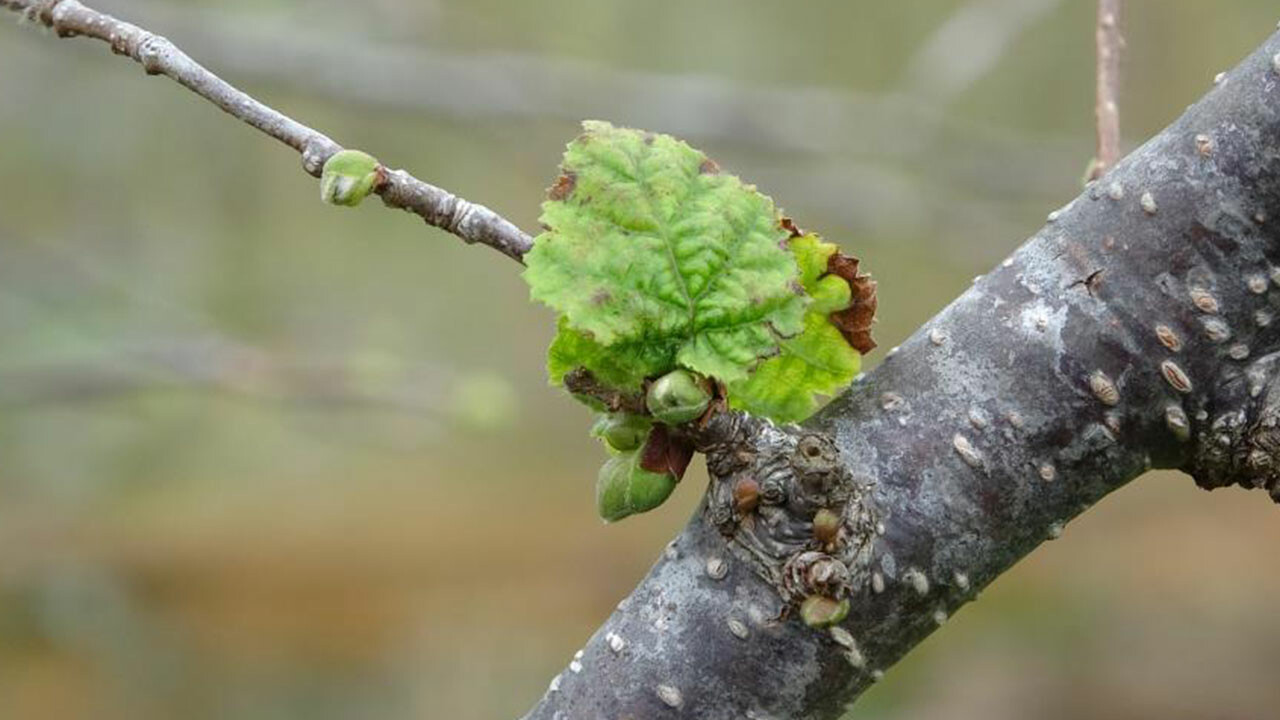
(261, 458)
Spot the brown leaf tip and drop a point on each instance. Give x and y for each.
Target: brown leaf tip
(855, 321)
(790, 226)
(664, 452)
(564, 186)
(708, 167)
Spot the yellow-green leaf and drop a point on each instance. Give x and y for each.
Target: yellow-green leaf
(818, 361)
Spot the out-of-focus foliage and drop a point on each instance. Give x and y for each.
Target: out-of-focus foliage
(251, 468)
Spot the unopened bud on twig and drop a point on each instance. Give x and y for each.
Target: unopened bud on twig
(678, 397)
(348, 177)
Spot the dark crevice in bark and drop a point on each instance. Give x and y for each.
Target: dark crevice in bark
(1239, 442)
(1019, 406)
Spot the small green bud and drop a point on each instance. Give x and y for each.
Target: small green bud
(622, 431)
(348, 177)
(818, 611)
(624, 488)
(678, 397)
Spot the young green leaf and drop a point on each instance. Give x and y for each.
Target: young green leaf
(625, 488)
(348, 177)
(621, 431)
(817, 361)
(656, 259)
(623, 365)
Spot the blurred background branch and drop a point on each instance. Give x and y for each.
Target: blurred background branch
(1110, 45)
(898, 125)
(472, 222)
(218, 364)
(968, 45)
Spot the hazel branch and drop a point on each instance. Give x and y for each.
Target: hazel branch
(472, 222)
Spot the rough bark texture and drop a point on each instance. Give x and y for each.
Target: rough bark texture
(1135, 330)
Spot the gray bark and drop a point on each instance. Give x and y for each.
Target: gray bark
(1135, 330)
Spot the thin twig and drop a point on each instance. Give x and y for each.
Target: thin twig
(472, 222)
(849, 175)
(1107, 108)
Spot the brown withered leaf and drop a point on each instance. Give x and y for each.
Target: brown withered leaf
(855, 321)
(664, 452)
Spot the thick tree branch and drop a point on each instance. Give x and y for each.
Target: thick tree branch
(1135, 330)
(472, 222)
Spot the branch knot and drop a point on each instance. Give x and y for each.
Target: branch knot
(1241, 446)
(788, 506)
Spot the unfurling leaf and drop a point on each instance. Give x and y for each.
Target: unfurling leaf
(679, 288)
(622, 365)
(622, 431)
(640, 479)
(656, 259)
(625, 488)
(348, 177)
(818, 361)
